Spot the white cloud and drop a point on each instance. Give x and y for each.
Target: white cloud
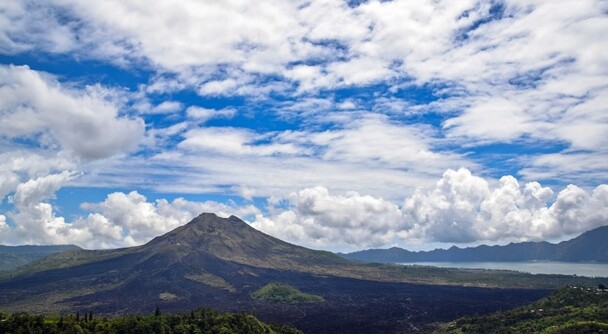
(218, 48)
(576, 210)
(204, 114)
(460, 208)
(466, 208)
(118, 221)
(8, 182)
(37, 224)
(128, 219)
(144, 106)
(33, 104)
(447, 213)
(537, 74)
(579, 167)
(374, 140)
(4, 229)
(233, 141)
(35, 221)
(370, 155)
(320, 220)
(140, 219)
(509, 66)
(497, 119)
(22, 29)
(40, 189)
(19, 164)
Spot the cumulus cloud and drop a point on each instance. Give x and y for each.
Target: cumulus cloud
(466, 208)
(318, 219)
(460, 208)
(129, 219)
(447, 212)
(576, 210)
(34, 105)
(40, 189)
(34, 219)
(38, 224)
(18, 165)
(122, 219)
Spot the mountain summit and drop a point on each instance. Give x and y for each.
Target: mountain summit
(232, 239)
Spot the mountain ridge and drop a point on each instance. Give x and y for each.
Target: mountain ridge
(590, 246)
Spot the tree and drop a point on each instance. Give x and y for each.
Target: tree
(601, 287)
(157, 312)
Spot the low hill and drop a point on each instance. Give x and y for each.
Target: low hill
(569, 310)
(15, 256)
(284, 293)
(590, 246)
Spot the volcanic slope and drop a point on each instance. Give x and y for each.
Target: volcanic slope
(217, 262)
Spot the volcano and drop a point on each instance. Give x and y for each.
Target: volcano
(218, 262)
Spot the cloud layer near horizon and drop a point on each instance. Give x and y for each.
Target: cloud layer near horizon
(459, 209)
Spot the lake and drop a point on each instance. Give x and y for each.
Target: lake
(533, 267)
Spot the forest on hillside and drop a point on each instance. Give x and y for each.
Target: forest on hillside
(571, 310)
(200, 321)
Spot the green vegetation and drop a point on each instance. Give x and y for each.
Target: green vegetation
(201, 321)
(66, 259)
(12, 257)
(569, 310)
(284, 293)
(12, 261)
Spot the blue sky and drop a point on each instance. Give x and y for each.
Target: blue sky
(332, 124)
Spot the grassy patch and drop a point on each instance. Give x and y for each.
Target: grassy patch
(284, 293)
(211, 280)
(167, 296)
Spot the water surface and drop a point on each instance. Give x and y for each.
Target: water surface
(533, 267)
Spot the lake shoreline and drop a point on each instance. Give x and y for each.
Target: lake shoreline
(584, 269)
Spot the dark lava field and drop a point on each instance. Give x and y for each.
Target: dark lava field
(351, 305)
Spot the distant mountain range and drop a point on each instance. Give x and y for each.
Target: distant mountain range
(591, 246)
(14, 256)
